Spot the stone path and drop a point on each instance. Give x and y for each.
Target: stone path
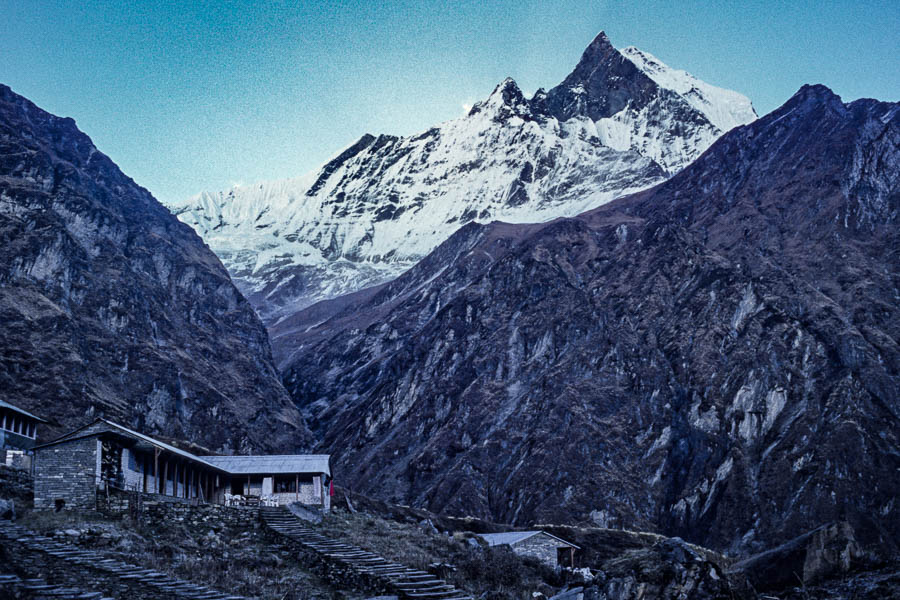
(408, 583)
(80, 567)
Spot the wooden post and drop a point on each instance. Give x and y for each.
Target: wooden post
(248, 486)
(145, 467)
(156, 469)
(297, 485)
(572, 557)
(165, 480)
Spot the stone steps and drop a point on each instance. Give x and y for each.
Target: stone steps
(12, 586)
(410, 584)
(152, 583)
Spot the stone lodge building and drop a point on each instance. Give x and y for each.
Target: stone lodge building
(70, 471)
(547, 548)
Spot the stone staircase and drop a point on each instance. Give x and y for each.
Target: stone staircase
(406, 582)
(89, 569)
(16, 588)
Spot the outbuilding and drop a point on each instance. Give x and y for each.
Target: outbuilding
(541, 545)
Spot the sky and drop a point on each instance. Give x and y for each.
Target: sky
(191, 96)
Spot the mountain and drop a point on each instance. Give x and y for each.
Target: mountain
(110, 306)
(620, 122)
(715, 358)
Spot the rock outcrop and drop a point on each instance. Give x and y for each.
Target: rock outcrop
(829, 552)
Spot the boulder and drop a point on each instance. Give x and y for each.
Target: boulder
(819, 554)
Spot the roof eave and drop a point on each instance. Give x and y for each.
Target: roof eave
(22, 412)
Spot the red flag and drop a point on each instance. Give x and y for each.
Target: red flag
(331, 488)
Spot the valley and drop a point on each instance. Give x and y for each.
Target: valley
(622, 338)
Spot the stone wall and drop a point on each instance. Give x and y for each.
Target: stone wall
(67, 472)
(16, 485)
(308, 495)
(215, 516)
(540, 546)
(10, 476)
(164, 510)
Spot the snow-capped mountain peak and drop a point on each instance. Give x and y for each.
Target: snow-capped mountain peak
(726, 109)
(620, 122)
(506, 100)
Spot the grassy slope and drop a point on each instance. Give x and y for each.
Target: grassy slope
(236, 560)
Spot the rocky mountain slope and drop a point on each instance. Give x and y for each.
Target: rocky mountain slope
(110, 306)
(620, 122)
(716, 357)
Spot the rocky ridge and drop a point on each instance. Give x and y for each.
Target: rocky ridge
(714, 358)
(110, 306)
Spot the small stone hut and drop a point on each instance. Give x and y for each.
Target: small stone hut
(70, 471)
(18, 433)
(541, 545)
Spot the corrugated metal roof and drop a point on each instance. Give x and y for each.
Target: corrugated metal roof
(233, 465)
(287, 463)
(4, 404)
(162, 445)
(514, 537)
(511, 537)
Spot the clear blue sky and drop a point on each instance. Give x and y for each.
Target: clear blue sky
(200, 97)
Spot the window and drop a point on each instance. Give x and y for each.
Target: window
(285, 484)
